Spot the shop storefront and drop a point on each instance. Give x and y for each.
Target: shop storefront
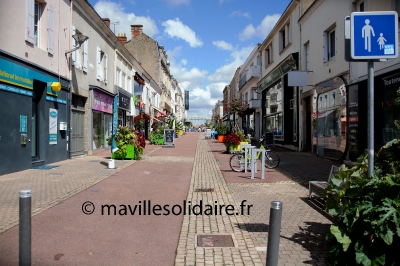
(102, 109)
(331, 119)
(34, 113)
(279, 108)
(386, 112)
(125, 116)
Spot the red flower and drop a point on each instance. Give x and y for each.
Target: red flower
(232, 138)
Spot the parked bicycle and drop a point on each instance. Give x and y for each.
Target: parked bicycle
(237, 160)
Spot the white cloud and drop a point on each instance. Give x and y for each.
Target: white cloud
(175, 28)
(116, 12)
(226, 72)
(240, 14)
(184, 62)
(261, 30)
(223, 45)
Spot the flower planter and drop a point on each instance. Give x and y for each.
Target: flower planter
(237, 147)
(221, 138)
(129, 155)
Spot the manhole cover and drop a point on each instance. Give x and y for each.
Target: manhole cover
(215, 241)
(204, 190)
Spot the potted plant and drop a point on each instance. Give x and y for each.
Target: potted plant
(125, 139)
(232, 141)
(221, 131)
(244, 139)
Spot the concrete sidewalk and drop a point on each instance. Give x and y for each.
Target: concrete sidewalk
(196, 171)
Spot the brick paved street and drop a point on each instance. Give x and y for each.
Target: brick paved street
(62, 235)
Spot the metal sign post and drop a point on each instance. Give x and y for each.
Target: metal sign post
(374, 36)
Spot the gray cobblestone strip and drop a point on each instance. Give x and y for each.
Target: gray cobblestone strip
(50, 187)
(303, 226)
(182, 159)
(206, 174)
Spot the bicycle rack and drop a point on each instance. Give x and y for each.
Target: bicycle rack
(246, 147)
(254, 162)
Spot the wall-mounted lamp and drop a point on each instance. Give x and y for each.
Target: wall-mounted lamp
(80, 39)
(256, 90)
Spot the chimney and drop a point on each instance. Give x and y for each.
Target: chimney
(122, 38)
(136, 30)
(107, 21)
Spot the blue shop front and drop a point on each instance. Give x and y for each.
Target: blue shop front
(34, 115)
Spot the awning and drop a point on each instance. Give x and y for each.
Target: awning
(142, 116)
(325, 114)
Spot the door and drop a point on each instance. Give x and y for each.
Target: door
(77, 137)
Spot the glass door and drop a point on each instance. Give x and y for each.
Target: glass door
(34, 152)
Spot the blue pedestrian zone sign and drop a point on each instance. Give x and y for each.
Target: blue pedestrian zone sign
(374, 35)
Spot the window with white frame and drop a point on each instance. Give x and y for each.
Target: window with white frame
(80, 56)
(123, 81)
(102, 65)
(326, 101)
(333, 99)
(307, 54)
(284, 36)
(118, 77)
(34, 24)
(268, 55)
(129, 85)
(329, 44)
(360, 6)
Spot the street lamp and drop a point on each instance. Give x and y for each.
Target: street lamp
(80, 39)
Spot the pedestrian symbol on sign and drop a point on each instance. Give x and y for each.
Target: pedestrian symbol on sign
(373, 35)
(366, 34)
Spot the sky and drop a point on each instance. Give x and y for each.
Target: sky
(205, 40)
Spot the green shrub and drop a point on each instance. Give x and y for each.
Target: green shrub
(366, 210)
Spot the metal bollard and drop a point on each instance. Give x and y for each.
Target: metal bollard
(274, 232)
(25, 227)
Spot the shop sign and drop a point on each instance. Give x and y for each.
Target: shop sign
(169, 138)
(53, 126)
(124, 101)
(15, 90)
(57, 100)
(22, 123)
(102, 102)
(22, 76)
(277, 73)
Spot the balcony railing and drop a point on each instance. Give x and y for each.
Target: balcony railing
(252, 72)
(254, 103)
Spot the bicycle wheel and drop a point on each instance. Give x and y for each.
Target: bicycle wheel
(237, 162)
(271, 159)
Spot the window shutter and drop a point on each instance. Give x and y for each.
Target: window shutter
(98, 62)
(325, 47)
(105, 68)
(73, 46)
(30, 21)
(50, 30)
(85, 55)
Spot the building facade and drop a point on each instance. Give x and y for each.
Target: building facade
(34, 84)
(279, 101)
